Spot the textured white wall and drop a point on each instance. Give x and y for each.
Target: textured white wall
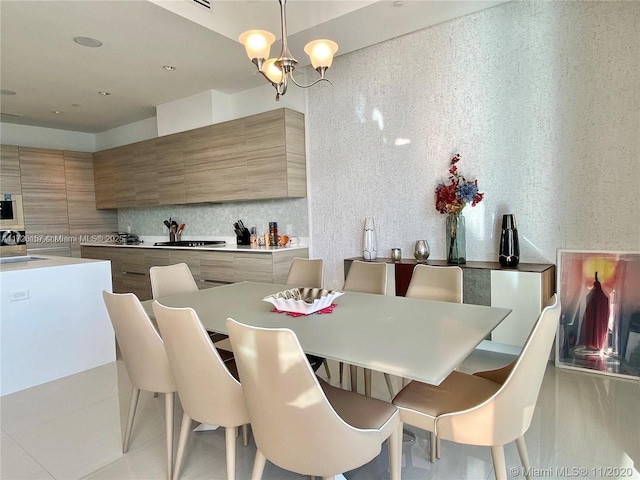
(541, 99)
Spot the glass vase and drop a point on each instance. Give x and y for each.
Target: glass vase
(369, 240)
(456, 239)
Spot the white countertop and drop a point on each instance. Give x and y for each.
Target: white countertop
(10, 264)
(217, 248)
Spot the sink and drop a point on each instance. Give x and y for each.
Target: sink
(190, 243)
(20, 259)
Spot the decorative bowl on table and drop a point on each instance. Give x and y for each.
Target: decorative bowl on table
(302, 300)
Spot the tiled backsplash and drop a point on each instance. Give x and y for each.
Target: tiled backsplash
(217, 219)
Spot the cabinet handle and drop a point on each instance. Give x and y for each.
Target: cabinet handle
(134, 273)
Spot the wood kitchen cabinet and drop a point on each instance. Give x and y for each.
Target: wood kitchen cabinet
(58, 196)
(125, 178)
(130, 266)
(230, 171)
(84, 218)
(44, 197)
(199, 174)
(145, 169)
(171, 182)
(10, 170)
(257, 157)
(275, 154)
(104, 176)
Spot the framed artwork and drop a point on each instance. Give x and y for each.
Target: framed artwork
(599, 328)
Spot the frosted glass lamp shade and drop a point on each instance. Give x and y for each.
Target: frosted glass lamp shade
(257, 43)
(272, 71)
(321, 52)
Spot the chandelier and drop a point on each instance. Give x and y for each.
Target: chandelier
(279, 71)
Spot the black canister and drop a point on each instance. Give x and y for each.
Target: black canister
(509, 254)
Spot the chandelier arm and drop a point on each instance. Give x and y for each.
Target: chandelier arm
(311, 84)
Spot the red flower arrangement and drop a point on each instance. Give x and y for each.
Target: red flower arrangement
(454, 196)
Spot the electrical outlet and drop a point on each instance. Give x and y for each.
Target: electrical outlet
(19, 295)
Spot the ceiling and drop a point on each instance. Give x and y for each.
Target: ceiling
(49, 72)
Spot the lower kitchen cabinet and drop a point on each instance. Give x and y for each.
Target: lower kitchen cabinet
(130, 266)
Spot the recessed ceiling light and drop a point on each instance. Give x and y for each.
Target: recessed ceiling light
(57, 112)
(398, 3)
(4, 91)
(87, 42)
(104, 93)
(75, 104)
(169, 68)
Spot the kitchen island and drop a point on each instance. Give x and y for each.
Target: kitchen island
(53, 321)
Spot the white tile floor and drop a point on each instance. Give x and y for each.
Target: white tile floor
(71, 428)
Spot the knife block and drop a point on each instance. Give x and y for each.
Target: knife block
(244, 239)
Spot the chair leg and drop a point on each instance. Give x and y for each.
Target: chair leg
(404, 382)
(389, 386)
(133, 404)
(437, 447)
(245, 435)
(395, 453)
(155, 394)
(524, 456)
(499, 463)
(258, 466)
(185, 431)
(326, 368)
(367, 382)
(168, 411)
(341, 372)
(353, 370)
(230, 437)
(432, 448)
(329, 478)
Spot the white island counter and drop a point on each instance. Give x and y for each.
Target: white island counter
(53, 322)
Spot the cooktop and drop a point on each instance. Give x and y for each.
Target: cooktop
(189, 243)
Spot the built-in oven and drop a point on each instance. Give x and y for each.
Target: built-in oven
(13, 243)
(11, 213)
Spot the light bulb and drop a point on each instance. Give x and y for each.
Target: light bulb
(257, 43)
(272, 71)
(321, 52)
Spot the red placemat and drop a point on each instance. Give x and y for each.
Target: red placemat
(328, 309)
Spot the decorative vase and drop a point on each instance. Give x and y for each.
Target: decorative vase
(421, 251)
(509, 254)
(369, 241)
(456, 241)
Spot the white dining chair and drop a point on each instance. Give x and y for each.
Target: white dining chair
(145, 359)
(301, 423)
(309, 273)
(208, 391)
(474, 410)
(175, 280)
(366, 277)
(442, 284)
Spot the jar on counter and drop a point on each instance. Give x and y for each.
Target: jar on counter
(273, 234)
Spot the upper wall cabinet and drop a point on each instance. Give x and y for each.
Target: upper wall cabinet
(251, 158)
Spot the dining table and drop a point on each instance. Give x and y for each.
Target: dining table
(416, 339)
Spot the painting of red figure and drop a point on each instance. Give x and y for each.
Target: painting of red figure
(600, 320)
